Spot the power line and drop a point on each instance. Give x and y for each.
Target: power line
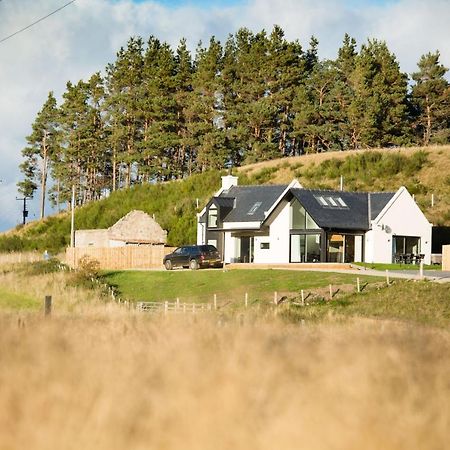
(36, 22)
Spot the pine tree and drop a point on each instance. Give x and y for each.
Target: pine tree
(344, 91)
(42, 145)
(431, 98)
(286, 69)
(123, 108)
(183, 88)
(316, 118)
(204, 114)
(378, 112)
(159, 111)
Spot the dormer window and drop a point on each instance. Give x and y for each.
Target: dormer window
(212, 217)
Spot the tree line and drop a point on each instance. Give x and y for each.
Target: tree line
(159, 114)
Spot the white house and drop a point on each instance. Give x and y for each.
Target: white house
(289, 224)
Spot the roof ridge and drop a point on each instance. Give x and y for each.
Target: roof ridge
(346, 192)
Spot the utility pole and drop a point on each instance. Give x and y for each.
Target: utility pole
(24, 211)
(72, 218)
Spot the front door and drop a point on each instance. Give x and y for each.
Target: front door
(247, 249)
(344, 248)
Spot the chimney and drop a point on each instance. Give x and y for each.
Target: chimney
(228, 181)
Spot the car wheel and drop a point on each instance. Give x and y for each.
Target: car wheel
(168, 265)
(193, 264)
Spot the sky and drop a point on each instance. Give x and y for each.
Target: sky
(83, 37)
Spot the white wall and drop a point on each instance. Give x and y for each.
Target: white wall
(262, 255)
(402, 217)
(200, 233)
(279, 226)
(229, 248)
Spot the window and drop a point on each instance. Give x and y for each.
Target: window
(321, 201)
(305, 248)
(331, 200)
(212, 217)
(300, 219)
(254, 208)
(265, 245)
(406, 245)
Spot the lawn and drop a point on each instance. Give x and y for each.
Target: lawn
(382, 266)
(413, 301)
(13, 301)
(200, 286)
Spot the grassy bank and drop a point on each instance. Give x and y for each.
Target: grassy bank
(422, 303)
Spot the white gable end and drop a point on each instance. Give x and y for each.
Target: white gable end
(400, 217)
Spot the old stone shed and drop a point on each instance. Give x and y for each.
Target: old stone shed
(136, 228)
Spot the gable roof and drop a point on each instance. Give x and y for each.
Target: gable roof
(345, 210)
(251, 202)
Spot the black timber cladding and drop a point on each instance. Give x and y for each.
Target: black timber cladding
(251, 202)
(353, 216)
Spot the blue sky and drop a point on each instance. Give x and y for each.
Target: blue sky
(85, 36)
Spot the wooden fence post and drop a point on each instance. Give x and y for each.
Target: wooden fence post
(387, 277)
(275, 297)
(246, 300)
(215, 301)
(166, 307)
(48, 305)
(303, 297)
(331, 292)
(358, 287)
(178, 303)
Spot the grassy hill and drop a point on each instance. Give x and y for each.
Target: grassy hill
(424, 171)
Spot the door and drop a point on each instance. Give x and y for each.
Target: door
(247, 249)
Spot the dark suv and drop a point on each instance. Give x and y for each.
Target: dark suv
(193, 256)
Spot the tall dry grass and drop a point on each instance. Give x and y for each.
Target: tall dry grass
(110, 379)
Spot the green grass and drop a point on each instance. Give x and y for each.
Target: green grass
(382, 266)
(200, 286)
(12, 301)
(420, 302)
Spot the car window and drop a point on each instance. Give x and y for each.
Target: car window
(208, 248)
(177, 251)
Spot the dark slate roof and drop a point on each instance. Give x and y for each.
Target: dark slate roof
(378, 200)
(353, 216)
(226, 202)
(252, 201)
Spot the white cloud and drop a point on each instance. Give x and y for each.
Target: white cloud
(84, 37)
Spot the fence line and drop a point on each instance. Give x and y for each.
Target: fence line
(116, 258)
(177, 307)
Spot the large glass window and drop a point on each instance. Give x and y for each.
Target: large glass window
(301, 220)
(344, 248)
(406, 245)
(212, 217)
(305, 247)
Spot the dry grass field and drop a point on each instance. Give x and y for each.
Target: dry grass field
(114, 380)
(96, 375)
